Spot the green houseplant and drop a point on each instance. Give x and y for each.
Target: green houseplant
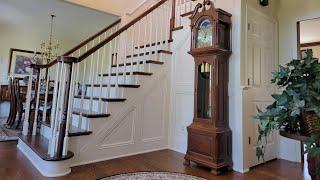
(299, 82)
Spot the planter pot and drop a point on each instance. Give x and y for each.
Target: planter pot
(313, 162)
(308, 123)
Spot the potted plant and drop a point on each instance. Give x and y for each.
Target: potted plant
(297, 108)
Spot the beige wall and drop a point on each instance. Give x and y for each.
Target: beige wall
(11, 37)
(119, 7)
(290, 12)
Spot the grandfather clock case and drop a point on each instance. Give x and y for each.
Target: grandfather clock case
(209, 135)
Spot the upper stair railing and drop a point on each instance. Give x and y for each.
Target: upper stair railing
(182, 8)
(42, 100)
(92, 74)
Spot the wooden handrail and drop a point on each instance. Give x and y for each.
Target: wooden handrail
(40, 66)
(121, 30)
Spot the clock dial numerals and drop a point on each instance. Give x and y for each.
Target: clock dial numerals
(204, 35)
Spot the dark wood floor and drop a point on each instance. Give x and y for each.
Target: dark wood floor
(14, 166)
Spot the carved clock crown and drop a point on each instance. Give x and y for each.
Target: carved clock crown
(210, 28)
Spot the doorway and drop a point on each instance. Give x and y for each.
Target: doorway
(262, 60)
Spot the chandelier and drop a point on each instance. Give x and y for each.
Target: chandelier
(49, 50)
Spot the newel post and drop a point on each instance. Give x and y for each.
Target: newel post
(173, 17)
(67, 83)
(26, 128)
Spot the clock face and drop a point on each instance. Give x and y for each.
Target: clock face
(204, 35)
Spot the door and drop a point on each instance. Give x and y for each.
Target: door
(261, 62)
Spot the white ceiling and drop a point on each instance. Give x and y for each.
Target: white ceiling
(118, 7)
(73, 21)
(310, 31)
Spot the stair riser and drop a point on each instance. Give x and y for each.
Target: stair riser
(121, 79)
(149, 67)
(144, 57)
(81, 122)
(104, 91)
(106, 107)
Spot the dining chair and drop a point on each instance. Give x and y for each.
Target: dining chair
(13, 103)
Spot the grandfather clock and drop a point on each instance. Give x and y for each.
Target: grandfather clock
(209, 135)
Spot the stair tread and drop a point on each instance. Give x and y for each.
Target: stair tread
(113, 85)
(89, 114)
(103, 99)
(153, 44)
(75, 131)
(152, 52)
(187, 14)
(141, 62)
(128, 73)
(177, 28)
(39, 144)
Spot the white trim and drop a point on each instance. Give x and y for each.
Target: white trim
(152, 139)
(119, 156)
(46, 168)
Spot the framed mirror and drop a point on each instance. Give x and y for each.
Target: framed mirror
(308, 37)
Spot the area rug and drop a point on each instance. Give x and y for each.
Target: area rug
(152, 176)
(7, 134)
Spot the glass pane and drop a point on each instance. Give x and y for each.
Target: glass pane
(204, 91)
(204, 38)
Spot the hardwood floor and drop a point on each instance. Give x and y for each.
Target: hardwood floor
(15, 166)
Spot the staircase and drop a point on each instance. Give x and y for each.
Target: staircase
(98, 90)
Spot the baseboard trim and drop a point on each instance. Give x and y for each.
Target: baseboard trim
(120, 156)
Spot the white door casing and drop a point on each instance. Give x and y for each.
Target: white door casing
(261, 60)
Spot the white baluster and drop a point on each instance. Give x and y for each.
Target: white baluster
(103, 59)
(145, 41)
(70, 110)
(109, 69)
(91, 78)
(157, 35)
(116, 57)
(83, 88)
(125, 36)
(28, 106)
(53, 110)
(35, 122)
(44, 113)
(138, 44)
(53, 148)
(151, 35)
(132, 50)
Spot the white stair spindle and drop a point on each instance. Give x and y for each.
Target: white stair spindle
(70, 109)
(83, 88)
(44, 113)
(132, 50)
(138, 45)
(151, 35)
(103, 59)
(54, 107)
(35, 122)
(145, 42)
(54, 138)
(28, 106)
(124, 57)
(91, 78)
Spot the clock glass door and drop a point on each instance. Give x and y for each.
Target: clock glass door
(204, 36)
(204, 91)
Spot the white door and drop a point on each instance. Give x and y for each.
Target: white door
(261, 61)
